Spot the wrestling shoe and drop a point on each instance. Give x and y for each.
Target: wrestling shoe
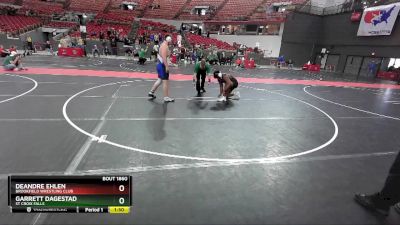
(151, 95)
(236, 96)
(168, 99)
(221, 99)
(375, 203)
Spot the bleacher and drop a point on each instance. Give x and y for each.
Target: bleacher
(110, 10)
(60, 24)
(147, 24)
(187, 15)
(168, 9)
(149, 27)
(141, 5)
(88, 6)
(273, 16)
(234, 9)
(194, 39)
(18, 24)
(116, 16)
(153, 32)
(96, 28)
(93, 30)
(11, 2)
(41, 8)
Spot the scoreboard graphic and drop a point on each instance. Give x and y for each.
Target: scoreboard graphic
(70, 194)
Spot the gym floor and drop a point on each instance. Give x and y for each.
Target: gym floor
(292, 150)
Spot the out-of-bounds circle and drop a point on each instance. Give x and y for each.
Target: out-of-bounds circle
(35, 85)
(347, 106)
(255, 160)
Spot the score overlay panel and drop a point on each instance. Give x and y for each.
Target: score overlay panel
(70, 194)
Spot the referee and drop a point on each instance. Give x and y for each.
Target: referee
(381, 202)
(201, 70)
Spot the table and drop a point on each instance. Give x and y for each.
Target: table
(388, 75)
(71, 52)
(312, 67)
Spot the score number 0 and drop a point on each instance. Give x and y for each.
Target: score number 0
(121, 200)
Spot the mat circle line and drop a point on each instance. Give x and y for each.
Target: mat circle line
(25, 93)
(94, 137)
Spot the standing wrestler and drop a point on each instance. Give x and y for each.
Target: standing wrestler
(163, 71)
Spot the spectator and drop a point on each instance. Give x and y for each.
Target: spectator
(109, 32)
(104, 43)
(3, 52)
(290, 64)
(136, 51)
(179, 40)
(101, 35)
(156, 47)
(238, 62)
(230, 59)
(84, 47)
(129, 53)
(194, 57)
(12, 48)
(144, 39)
(127, 41)
(160, 38)
(74, 42)
(93, 34)
(183, 53)
(281, 61)
(114, 46)
(142, 55)
(13, 62)
(151, 37)
(106, 51)
(95, 51)
(49, 48)
(212, 59)
(371, 68)
(80, 42)
(140, 38)
(156, 40)
(200, 53)
(219, 56)
(29, 43)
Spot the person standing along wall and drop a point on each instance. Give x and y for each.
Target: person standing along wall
(114, 47)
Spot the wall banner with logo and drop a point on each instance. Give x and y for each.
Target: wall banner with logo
(379, 20)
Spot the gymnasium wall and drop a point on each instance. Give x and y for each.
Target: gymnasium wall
(338, 35)
(37, 36)
(301, 36)
(345, 42)
(270, 43)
